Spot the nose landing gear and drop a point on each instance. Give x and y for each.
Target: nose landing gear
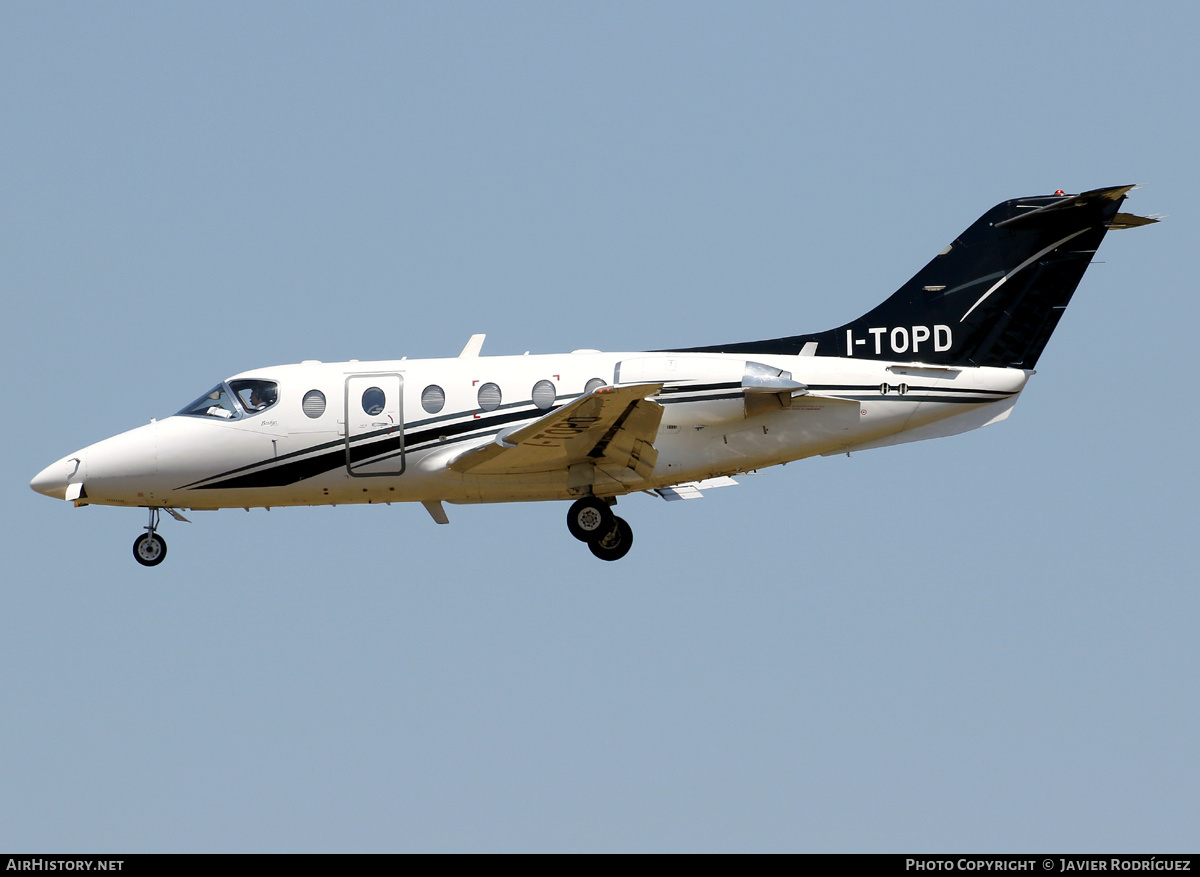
(150, 549)
(591, 520)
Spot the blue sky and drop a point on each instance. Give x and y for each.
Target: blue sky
(979, 643)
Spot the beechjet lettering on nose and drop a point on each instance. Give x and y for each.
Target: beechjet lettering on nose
(950, 351)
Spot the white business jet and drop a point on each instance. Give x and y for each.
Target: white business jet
(949, 352)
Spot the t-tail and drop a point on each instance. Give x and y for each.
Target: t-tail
(991, 298)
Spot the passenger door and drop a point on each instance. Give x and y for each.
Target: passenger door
(374, 424)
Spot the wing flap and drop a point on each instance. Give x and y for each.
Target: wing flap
(693, 489)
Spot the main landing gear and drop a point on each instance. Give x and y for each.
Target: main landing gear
(150, 549)
(591, 520)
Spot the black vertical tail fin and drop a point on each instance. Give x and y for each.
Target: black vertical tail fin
(992, 297)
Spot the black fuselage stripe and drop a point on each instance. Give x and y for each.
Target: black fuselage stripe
(362, 448)
(911, 388)
(897, 397)
(712, 398)
(698, 388)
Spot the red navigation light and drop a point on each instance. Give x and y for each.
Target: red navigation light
(1059, 192)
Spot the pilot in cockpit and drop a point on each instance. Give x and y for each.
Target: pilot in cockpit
(262, 397)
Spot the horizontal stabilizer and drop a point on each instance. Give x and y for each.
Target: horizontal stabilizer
(1129, 220)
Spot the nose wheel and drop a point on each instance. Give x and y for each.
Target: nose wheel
(591, 520)
(150, 549)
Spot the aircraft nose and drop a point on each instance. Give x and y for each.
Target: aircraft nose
(53, 480)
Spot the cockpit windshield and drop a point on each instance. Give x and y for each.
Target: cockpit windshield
(255, 396)
(234, 400)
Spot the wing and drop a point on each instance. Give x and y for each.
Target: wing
(612, 429)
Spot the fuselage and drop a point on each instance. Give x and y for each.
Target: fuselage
(387, 431)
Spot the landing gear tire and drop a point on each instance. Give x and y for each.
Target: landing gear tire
(616, 543)
(589, 518)
(149, 549)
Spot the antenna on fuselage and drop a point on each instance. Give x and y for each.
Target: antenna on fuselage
(474, 345)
